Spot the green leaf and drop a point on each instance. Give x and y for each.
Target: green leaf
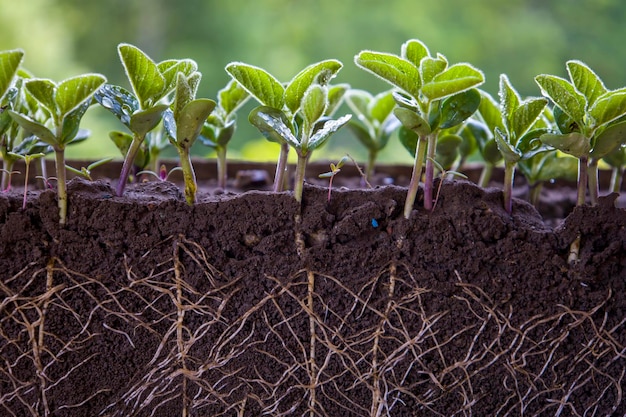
(314, 104)
(575, 143)
(564, 121)
(395, 70)
(9, 63)
(490, 112)
(143, 121)
(119, 101)
(617, 158)
(509, 101)
(232, 97)
(273, 124)
(455, 79)
(408, 139)
(359, 102)
(171, 67)
(73, 92)
(431, 67)
(71, 123)
(564, 95)
(259, 83)
(524, 117)
(586, 81)
(43, 91)
(326, 132)
(363, 135)
(608, 107)
(414, 51)
(412, 121)
(184, 94)
(145, 78)
(381, 106)
(612, 138)
(447, 150)
(121, 140)
(35, 128)
(336, 94)
(458, 108)
(508, 151)
(320, 73)
(190, 121)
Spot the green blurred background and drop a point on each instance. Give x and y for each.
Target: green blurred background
(63, 38)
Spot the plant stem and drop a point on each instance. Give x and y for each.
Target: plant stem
(485, 175)
(27, 164)
(534, 193)
(7, 166)
(371, 159)
(582, 180)
(59, 154)
(592, 179)
(616, 179)
(128, 163)
(509, 174)
(299, 180)
(221, 166)
(420, 153)
(189, 176)
(279, 178)
(430, 172)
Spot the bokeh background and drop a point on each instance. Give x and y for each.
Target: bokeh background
(63, 38)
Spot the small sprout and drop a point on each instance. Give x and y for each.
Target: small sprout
(27, 160)
(85, 172)
(443, 174)
(9, 174)
(163, 174)
(334, 170)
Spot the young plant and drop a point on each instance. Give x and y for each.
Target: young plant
(432, 96)
(589, 120)
(443, 173)
(27, 160)
(183, 123)
(375, 122)
(294, 115)
(63, 106)
(220, 126)
(142, 110)
(543, 167)
(85, 172)
(163, 173)
(513, 131)
(334, 170)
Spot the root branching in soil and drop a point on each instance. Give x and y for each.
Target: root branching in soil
(180, 338)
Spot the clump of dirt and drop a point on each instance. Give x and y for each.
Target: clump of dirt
(247, 304)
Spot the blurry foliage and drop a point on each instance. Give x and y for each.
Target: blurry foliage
(521, 38)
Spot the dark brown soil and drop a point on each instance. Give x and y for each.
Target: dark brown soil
(238, 306)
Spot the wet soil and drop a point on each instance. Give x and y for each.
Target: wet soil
(247, 304)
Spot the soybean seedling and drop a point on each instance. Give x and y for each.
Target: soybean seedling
(220, 126)
(163, 174)
(335, 169)
(514, 130)
(62, 106)
(375, 122)
(293, 116)
(443, 174)
(27, 160)
(142, 109)
(432, 96)
(85, 172)
(183, 122)
(589, 118)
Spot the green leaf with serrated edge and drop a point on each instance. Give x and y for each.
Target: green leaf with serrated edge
(314, 104)
(145, 78)
(71, 123)
(608, 107)
(564, 95)
(336, 94)
(408, 139)
(259, 83)
(71, 93)
(143, 121)
(9, 63)
(456, 109)
(414, 51)
(525, 116)
(119, 101)
(232, 97)
(35, 128)
(509, 102)
(456, 79)
(490, 112)
(395, 70)
(431, 67)
(509, 152)
(381, 106)
(273, 124)
(586, 81)
(321, 73)
(610, 139)
(190, 121)
(43, 91)
(363, 135)
(412, 121)
(323, 134)
(575, 143)
(564, 121)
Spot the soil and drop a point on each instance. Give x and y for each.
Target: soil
(248, 305)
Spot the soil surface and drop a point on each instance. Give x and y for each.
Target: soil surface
(248, 305)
